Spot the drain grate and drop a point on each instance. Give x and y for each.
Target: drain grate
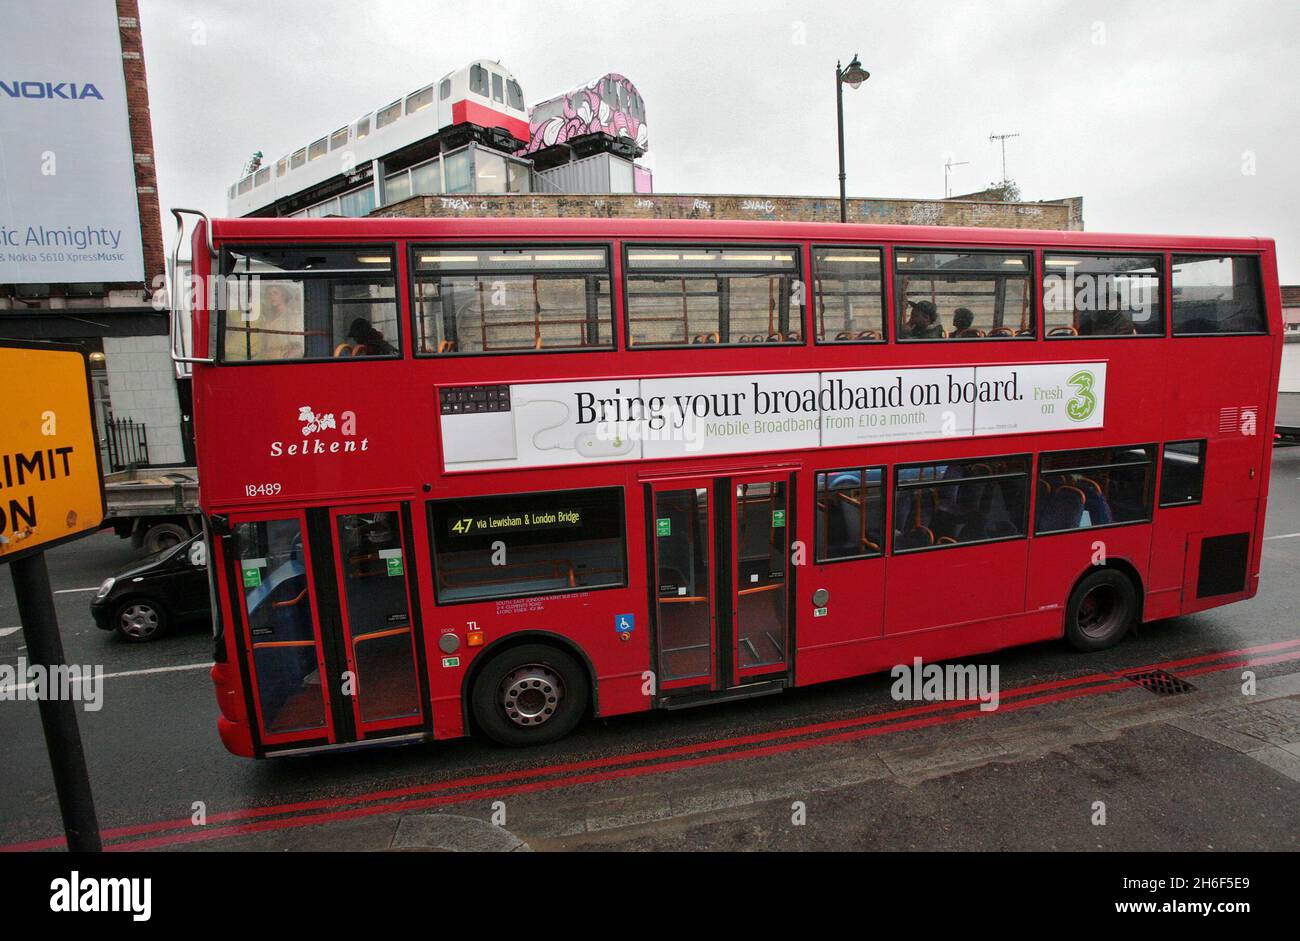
(1160, 682)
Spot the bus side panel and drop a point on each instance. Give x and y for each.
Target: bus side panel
(955, 585)
(840, 643)
(1058, 561)
(1227, 400)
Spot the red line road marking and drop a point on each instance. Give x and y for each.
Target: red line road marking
(735, 746)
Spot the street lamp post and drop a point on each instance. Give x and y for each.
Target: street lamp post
(852, 75)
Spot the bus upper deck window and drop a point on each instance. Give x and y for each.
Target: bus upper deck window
(498, 88)
(363, 127)
(1102, 295)
(693, 295)
(309, 303)
(514, 95)
(958, 294)
(512, 299)
(1217, 294)
(849, 295)
(444, 89)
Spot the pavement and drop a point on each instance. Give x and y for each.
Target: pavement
(1077, 757)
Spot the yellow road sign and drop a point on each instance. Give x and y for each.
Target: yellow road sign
(51, 486)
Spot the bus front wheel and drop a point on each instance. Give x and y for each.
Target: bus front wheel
(1101, 610)
(529, 695)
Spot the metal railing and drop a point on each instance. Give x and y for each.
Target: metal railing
(127, 443)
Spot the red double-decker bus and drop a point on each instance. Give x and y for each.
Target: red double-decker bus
(498, 475)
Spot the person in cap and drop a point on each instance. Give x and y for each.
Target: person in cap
(923, 321)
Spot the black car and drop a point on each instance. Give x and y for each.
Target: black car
(142, 602)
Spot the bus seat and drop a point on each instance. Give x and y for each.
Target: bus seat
(1095, 502)
(344, 349)
(1002, 332)
(1063, 510)
(946, 541)
(844, 335)
(868, 335)
(918, 537)
(1063, 332)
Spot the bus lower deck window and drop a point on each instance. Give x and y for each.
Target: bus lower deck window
(527, 544)
(955, 502)
(1094, 487)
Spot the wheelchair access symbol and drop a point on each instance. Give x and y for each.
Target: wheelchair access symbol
(624, 624)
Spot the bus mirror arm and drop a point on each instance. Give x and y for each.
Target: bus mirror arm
(175, 334)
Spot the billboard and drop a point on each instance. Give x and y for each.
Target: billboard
(68, 211)
(547, 424)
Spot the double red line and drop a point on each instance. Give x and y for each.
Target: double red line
(655, 761)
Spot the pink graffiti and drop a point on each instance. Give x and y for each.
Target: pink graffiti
(600, 106)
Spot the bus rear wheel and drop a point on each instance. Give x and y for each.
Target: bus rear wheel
(1101, 610)
(529, 695)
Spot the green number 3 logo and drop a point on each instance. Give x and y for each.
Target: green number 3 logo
(1084, 403)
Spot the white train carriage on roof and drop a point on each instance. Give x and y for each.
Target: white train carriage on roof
(483, 93)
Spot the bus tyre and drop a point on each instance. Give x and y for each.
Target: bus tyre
(1101, 610)
(163, 536)
(529, 695)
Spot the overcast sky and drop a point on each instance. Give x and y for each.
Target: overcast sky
(1173, 117)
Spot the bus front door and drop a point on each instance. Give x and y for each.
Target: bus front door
(721, 570)
(331, 646)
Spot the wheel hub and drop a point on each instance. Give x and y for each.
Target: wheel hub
(139, 620)
(531, 694)
(1098, 610)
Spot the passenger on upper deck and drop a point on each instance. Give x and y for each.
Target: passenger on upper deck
(962, 318)
(369, 341)
(923, 321)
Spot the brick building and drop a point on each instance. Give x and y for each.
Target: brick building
(1053, 214)
(115, 321)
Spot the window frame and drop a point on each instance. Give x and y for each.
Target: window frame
(1153, 449)
(884, 511)
(1259, 292)
(225, 250)
(438, 600)
(886, 335)
(895, 485)
(1202, 461)
(413, 274)
(1035, 304)
(1163, 289)
(798, 275)
(380, 124)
